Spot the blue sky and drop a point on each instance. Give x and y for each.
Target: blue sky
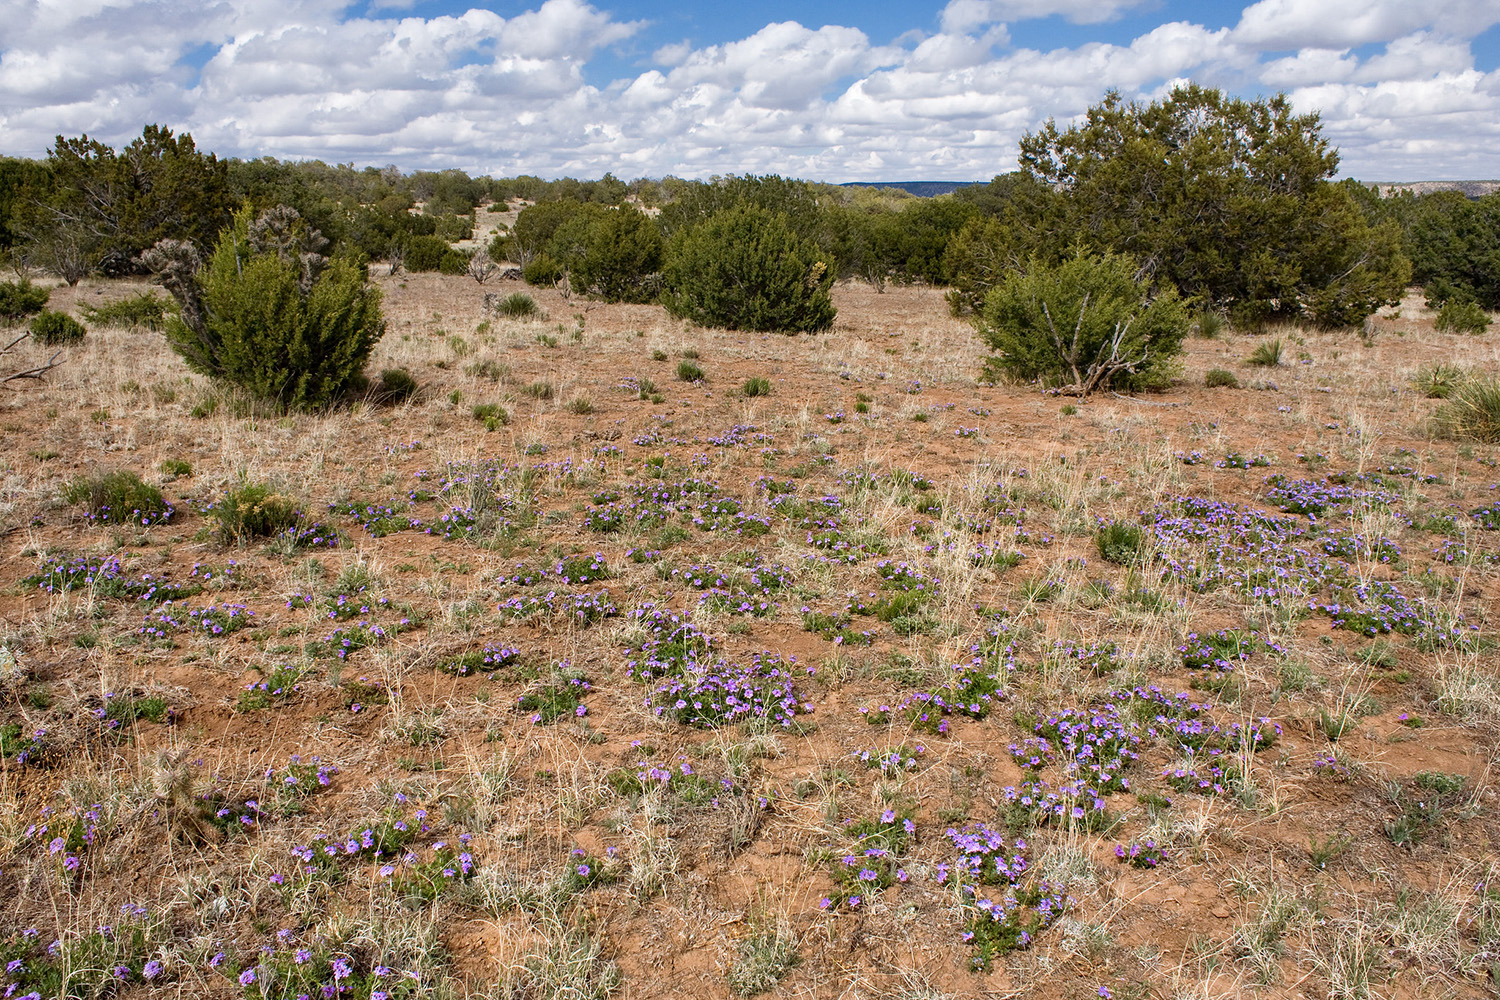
(829, 91)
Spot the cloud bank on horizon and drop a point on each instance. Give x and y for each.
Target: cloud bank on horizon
(1397, 83)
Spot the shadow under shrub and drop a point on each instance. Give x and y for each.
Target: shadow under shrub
(269, 313)
(1083, 325)
(745, 269)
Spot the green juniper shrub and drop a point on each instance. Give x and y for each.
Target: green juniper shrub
(618, 256)
(1462, 316)
(53, 328)
(118, 497)
(425, 253)
(1082, 325)
(268, 313)
(744, 268)
(454, 262)
(145, 311)
(1221, 378)
(19, 299)
(543, 270)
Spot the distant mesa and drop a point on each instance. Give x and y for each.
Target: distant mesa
(922, 189)
(1473, 189)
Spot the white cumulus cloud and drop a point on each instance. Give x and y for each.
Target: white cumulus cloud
(1395, 83)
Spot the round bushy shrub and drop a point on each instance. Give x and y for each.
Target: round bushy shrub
(454, 263)
(1462, 316)
(396, 385)
(1218, 378)
(745, 269)
(543, 270)
(118, 497)
(50, 327)
(516, 305)
(19, 299)
(619, 257)
(269, 314)
(1083, 325)
(425, 253)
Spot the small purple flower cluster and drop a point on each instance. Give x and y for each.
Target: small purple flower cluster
(347, 638)
(673, 645)
(1096, 656)
(105, 576)
(214, 620)
(719, 692)
(1221, 650)
(1314, 496)
(583, 607)
(1141, 854)
(891, 760)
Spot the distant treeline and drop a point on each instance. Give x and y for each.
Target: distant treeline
(1231, 203)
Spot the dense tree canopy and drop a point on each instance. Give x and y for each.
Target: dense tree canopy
(104, 208)
(1228, 201)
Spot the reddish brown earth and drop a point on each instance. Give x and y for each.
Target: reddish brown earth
(1239, 906)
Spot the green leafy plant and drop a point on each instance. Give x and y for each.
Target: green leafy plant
(52, 328)
(19, 299)
(744, 268)
(757, 387)
(492, 415)
(1220, 378)
(269, 313)
(1120, 542)
(1439, 379)
(1082, 325)
(396, 385)
(1462, 316)
(118, 497)
(765, 958)
(687, 371)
